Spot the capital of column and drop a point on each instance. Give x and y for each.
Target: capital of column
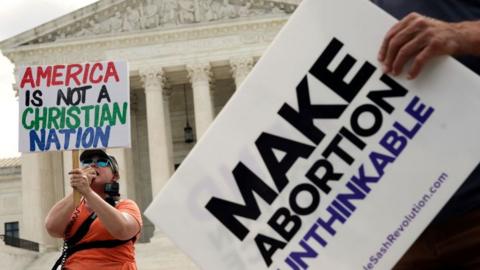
(153, 78)
(199, 72)
(166, 92)
(241, 66)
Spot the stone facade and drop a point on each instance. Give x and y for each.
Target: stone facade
(120, 16)
(186, 59)
(10, 192)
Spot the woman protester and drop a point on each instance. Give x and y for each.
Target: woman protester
(101, 232)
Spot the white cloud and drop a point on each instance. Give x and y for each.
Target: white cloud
(17, 16)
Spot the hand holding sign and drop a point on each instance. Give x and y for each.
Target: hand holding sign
(420, 38)
(74, 106)
(318, 158)
(81, 179)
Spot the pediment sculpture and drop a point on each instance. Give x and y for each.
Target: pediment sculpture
(140, 15)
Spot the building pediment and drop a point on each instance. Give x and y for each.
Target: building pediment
(117, 17)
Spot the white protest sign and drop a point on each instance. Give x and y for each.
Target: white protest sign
(320, 160)
(74, 106)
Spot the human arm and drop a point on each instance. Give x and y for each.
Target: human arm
(59, 216)
(420, 38)
(121, 225)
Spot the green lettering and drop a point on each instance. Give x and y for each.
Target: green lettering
(73, 114)
(53, 115)
(41, 118)
(106, 116)
(97, 113)
(86, 110)
(62, 118)
(122, 116)
(24, 118)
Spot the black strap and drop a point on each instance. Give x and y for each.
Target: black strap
(82, 230)
(82, 246)
(62, 257)
(79, 234)
(97, 244)
(70, 245)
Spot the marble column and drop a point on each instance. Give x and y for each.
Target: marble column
(159, 127)
(241, 66)
(200, 77)
(41, 187)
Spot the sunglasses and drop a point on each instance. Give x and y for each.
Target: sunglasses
(101, 163)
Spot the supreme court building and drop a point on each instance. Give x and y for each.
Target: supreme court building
(186, 59)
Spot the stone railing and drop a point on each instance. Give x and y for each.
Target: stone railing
(19, 242)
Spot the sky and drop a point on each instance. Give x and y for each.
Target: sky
(17, 16)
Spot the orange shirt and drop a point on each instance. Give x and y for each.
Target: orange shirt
(117, 258)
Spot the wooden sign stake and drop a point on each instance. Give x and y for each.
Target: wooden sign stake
(76, 195)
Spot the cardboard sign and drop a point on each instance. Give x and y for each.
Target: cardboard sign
(319, 160)
(74, 106)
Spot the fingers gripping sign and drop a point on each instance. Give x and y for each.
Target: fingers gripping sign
(81, 179)
(418, 38)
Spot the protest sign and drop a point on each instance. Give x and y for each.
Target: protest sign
(320, 160)
(74, 106)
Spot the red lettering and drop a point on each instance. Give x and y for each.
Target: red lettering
(72, 74)
(57, 75)
(27, 78)
(94, 70)
(85, 73)
(111, 72)
(44, 74)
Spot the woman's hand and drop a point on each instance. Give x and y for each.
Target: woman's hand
(80, 179)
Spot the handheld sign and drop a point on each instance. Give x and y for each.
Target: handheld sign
(319, 160)
(74, 106)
